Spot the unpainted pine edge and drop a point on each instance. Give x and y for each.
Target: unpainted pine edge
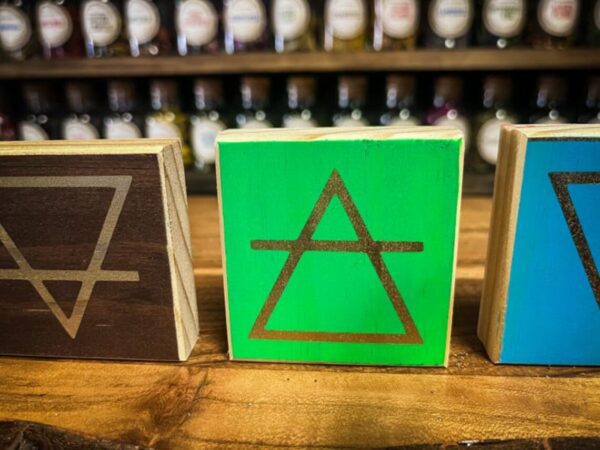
(336, 133)
(95, 147)
(560, 131)
(187, 294)
(181, 350)
(490, 279)
(519, 153)
(496, 296)
(223, 252)
(461, 157)
(188, 299)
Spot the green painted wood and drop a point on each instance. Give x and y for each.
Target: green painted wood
(340, 251)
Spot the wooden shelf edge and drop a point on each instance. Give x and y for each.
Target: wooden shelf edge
(415, 60)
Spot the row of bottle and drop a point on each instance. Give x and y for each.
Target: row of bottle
(103, 28)
(126, 117)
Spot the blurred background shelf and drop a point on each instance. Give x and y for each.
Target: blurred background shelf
(414, 60)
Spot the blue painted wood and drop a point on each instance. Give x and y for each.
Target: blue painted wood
(553, 316)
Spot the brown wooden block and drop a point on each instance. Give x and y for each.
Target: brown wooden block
(95, 251)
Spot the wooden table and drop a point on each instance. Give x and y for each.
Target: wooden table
(211, 402)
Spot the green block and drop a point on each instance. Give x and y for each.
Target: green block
(340, 246)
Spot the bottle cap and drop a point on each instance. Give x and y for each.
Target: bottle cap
(163, 94)
(208, 93)
(38, 97)
(121, 95)
(352, 91)
(301, 91)
(255, 92)
(448, 89)
(399, 89)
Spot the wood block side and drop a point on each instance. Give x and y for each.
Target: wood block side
(185, 307)
(507, 193)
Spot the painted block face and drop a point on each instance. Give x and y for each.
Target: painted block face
(94, 252)
(551, 312)
(339, 247)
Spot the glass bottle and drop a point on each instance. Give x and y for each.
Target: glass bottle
(198, 27)
(38, 124)
(352, 96)
(345, 25)
(593, 24)
(400, 100)
(294, 24)
(502, 22)
(396, 24)
(496, 112)
(245, 26)
(449, 23)
(82, 122)
(149, 27)
(166, 119)
(301, 93)
(124, 120)
(207, 122)
(8, 131)
(255, 93)
(554, 23)
(59, 29)
(591, 110)
(102, 28)
(447, 106)
(551, 101)
(17, 36)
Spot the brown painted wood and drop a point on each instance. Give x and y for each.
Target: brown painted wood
(472, 59)
(209, 402)
(110, 218)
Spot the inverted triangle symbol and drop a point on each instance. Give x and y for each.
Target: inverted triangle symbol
(365, 244)
(560, 182)
(94, 272)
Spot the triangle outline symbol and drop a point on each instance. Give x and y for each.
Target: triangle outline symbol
(560, 182)
(335, 186)
(89, 277)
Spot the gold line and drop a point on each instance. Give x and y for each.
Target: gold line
(560, 182)
(339, 246)
(365, 243)
(186, 236)
(69, 275)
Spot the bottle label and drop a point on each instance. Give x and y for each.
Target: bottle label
(296, 121)
(349, 122)
(253, 123)
(54, 23)
(157, 129)
(400, 18)
(77, 130)
(245, 19)
(143, 20)
(30, 131)
(558, 17)
(197, 20)
(458, 122)
(347, 18)
(450, 19)
(101, 22)
(204, 136)
(291, 18)
(488, 139)
(504, 18)
(120, 129)
(15, 28)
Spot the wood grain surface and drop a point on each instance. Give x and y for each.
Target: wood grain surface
(209, 402)
(428, 60)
